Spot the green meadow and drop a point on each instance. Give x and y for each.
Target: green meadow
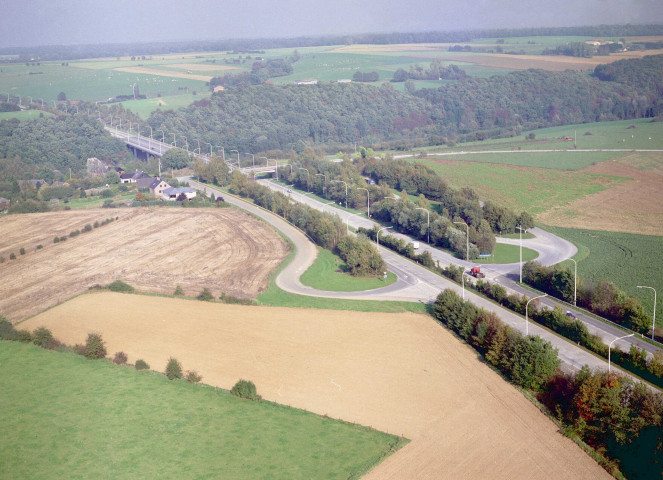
(67, 417)
(532, 189)
(625, 259)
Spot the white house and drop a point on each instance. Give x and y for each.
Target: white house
(173, 193)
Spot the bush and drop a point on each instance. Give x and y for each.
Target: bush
(22, 251)
(120, 358)
(120, 286)
(23, 336)
(245, 389)
(173, 369)
(7, 331)
(42, 337)
(106, 193)
(205, 295)
(79, 349)
(235, 300)
(40, 246)
(96, 224)
(94, 347)
(87, 228)
(178, 291)
(63, 238)
(12, 256)
(74, 233)
(193, 377)
(142, 364)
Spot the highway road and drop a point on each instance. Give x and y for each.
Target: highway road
(415, 283)
(551, 248)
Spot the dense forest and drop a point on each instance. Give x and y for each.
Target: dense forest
(291, 117)
(70, 52)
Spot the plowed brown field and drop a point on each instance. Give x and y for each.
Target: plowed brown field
(224, 250)
(400, 373)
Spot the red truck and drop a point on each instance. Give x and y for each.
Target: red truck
(476, 272)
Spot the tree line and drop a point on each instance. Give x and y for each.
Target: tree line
(259, 118)
(70, 52)
(621, 419)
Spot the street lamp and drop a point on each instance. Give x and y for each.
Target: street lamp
(238, 164)
(324, 185)
(253, 157)
(526, 317)
(346, 190)
(653, 324)
(223, 152)
(308, 179)
(575, 279)
(521, 251)
(174, 141)
(610, 346)
(462, 278)
(368, 201)
(428, 226)
(276, 166)
(347, 222)
(467, 240)
(377, 238)
(187, 142)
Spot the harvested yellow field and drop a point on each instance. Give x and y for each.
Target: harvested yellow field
(154, 250)
(399, 373)
(164, 73)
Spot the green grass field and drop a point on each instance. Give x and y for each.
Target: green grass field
(327, 273)
(67, 417)
(625, 259)
(532, 189)
(24, 115)
(143, 108)
(505, 253)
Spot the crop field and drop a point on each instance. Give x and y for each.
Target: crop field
(625, 259)
(572, 160)
(105, 421)
(399, 373)
(23, 115)
(154, 250)
(535, 190)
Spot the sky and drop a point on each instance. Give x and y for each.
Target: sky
(72, 22)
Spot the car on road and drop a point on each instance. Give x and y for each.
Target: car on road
(570, 315)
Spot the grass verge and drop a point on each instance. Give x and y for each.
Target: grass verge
(506, 253)
(68, 417)
(328, 273)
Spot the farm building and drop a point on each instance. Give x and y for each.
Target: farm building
(157, 187)
(132, 177)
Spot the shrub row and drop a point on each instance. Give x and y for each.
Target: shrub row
(635, 360)
(603, 298)
(86, 228)
(615, 415)
(528, 361)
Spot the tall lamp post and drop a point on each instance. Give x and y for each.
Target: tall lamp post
(575, 280)
(324, 185)
(610, 346)
(520, 229)
(467, 240)
(346, 190)
(223, 152)
(368, 201)
(653, 324)
(526, 316)
(377, 238)
(428, 226)
(308, 178)
(238, 164)
(253, 158)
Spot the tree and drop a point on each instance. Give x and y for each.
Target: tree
(173, 369)
(176, 158)
(62, 97)
(94, 347)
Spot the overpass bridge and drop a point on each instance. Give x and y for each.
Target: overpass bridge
(156, 148)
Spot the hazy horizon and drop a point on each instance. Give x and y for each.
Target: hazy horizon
(73, 22)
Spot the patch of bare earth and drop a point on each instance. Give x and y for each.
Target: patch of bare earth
(399, 373)
(164, 73)
(224, 250)
(633, 207)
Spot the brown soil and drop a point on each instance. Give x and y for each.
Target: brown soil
(634, 206)
(400, 373)
(153, 250)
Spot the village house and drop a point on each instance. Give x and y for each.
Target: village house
(132, 177)
(157, 187)
(173, 193)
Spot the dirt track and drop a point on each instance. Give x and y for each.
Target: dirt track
(154, 250)
(400, 373)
